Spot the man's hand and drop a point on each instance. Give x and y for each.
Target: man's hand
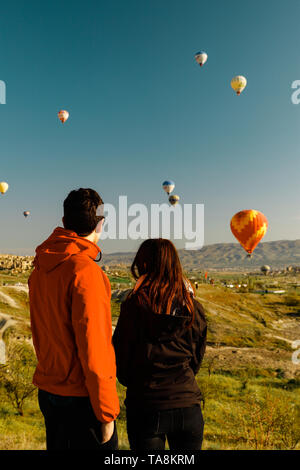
(107, 431)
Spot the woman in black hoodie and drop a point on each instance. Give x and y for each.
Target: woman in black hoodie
(160, 343)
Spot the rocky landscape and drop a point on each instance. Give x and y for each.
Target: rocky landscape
(248, 366)
(225, 256)
(279, 255)
(16, 264)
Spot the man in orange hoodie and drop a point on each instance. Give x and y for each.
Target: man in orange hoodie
(72, 333)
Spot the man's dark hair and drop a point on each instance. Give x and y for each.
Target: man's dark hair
(80, 208)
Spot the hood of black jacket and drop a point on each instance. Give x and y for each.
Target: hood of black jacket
(162, 327)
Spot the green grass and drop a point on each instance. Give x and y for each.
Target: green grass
(226, 398)
(120, 280)
(8, 278)
(115, 310)
(17, 432)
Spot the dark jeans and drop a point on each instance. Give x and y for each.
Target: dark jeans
(148, 430)
(71, 424)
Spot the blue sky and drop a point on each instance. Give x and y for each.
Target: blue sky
(142, 110)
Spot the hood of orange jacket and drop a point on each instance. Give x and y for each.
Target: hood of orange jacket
(60, 246)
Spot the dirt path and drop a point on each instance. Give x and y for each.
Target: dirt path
(18, 288)
(7, 299)
(291, 342)
(5, 322)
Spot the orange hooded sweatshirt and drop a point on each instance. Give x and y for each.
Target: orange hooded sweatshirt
(71, 323)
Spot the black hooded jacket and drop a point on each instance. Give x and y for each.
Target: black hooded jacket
(158, 356)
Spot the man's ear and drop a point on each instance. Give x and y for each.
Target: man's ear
(98, 229)
(63, 221)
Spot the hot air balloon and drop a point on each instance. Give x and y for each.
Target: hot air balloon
(168, 186)
(265, 269)
(249, 227)
(173, 200)
(63, 115)
(26, 213)
(201, 58)
(238, 83)
(3, 187)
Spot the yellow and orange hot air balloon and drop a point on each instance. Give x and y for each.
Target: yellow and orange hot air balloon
(249, 227)
(63, 115)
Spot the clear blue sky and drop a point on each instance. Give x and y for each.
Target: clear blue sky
(142, 110)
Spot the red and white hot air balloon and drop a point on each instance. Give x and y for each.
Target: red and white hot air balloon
(201, 58)
(63, 115)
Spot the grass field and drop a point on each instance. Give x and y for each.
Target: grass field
(250, 385)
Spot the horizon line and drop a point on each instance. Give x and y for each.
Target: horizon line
(179, 249)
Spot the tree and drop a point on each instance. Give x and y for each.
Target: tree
(16, 375)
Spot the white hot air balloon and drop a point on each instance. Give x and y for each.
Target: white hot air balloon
(201, 58)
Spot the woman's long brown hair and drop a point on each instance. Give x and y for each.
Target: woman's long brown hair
(162, 279)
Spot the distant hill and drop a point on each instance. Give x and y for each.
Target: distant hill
(228, 256)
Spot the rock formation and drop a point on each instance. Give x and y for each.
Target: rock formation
(16, 264)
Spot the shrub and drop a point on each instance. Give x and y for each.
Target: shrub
(265, 423)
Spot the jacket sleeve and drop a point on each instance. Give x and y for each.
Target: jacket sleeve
(124, 340)
(91, 320)
(199, 334)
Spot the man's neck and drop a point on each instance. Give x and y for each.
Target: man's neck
(91, 237)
